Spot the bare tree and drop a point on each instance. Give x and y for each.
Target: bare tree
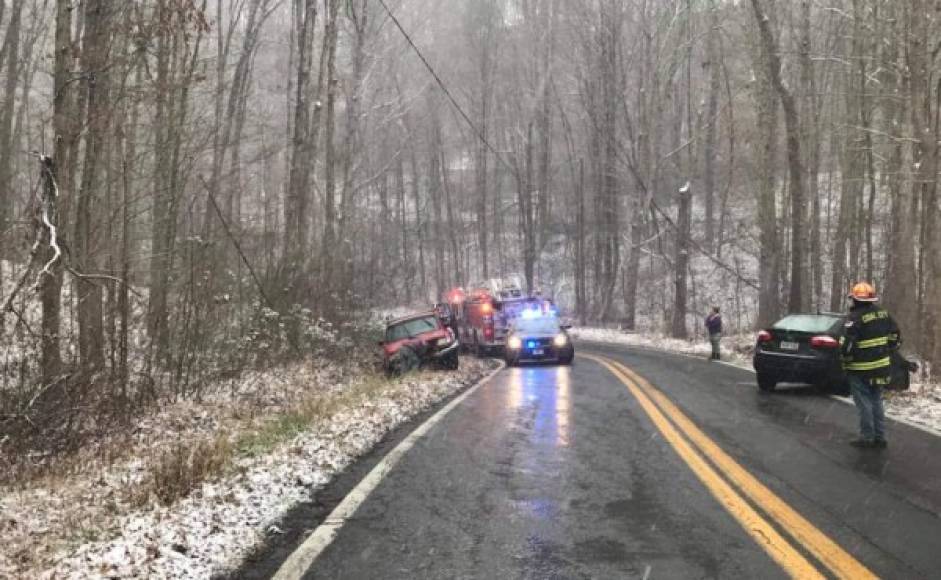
(795, 172)
(297, 218)
(10, 60)
(925, 158)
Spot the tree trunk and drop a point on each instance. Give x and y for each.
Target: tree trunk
(681, 262)
(610, 254)
(434, 194)
(55, 191)
(160, 255)
(546, 29)
(454, 228)
(796, 178)
(358, 13)
(810, 143)
(525, 181)
(95, 52)
(901, 283)
(11, 53)
(407, 267)
(712, 124)
(633, 265)
(297, 219)
(581, 271)
(926, 164)
(852, 174)
(769, 243)
(328, 257)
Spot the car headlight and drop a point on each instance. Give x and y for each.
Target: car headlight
(560, 340)
(443, 341)
(514, 343)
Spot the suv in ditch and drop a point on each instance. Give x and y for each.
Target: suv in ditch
(418, 340)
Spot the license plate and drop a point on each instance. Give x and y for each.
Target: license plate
(789, 345)
(538, 352)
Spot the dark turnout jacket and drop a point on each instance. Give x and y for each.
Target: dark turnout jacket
(870, 338)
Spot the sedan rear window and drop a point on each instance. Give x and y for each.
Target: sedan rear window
(807, 323)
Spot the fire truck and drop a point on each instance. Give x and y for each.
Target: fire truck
(482, 316)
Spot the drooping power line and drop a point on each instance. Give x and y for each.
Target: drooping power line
(444, 88)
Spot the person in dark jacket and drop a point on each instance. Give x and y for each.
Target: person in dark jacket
(714, 328)
(870, 338)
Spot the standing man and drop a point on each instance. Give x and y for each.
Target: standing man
(870, 339)
(714, 328)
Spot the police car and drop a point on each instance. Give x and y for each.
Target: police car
(536, 335)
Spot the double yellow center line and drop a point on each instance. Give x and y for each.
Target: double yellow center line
(728, 482)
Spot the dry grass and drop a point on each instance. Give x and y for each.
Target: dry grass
(185, 466)
(307, 412)
(182, 468)
(173, 453)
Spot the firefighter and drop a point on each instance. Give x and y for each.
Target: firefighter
(870, 339)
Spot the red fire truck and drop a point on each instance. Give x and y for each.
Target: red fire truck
(482, 316)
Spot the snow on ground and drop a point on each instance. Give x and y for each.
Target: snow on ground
(736, 349)
(83, 526)
(920, 405)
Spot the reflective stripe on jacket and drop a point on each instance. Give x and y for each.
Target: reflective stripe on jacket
(871, 337)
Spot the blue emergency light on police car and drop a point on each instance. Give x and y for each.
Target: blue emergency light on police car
(531, 313)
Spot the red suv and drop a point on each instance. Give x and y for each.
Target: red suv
(415, 340)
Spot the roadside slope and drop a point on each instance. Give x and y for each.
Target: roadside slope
(97, 522)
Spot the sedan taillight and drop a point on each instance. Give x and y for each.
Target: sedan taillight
(764, 336)
(824, 341)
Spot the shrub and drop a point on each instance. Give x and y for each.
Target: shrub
(184, 467)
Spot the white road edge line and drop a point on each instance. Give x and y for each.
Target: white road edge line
(306, 554)
(844, 400)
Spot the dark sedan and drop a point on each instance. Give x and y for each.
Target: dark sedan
(536, 337)
(801, 348)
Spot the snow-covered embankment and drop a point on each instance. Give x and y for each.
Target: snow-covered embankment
(95, 524)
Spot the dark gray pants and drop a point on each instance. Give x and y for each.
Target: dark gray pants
(868, 399)
(714, 341)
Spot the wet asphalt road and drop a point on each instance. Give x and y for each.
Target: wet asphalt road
(554, 472)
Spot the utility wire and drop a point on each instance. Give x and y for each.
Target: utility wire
(238, 246)
(500, 158)
(244, 258)
(703, 251)
(444, 88)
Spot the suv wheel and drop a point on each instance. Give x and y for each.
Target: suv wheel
(766, 383)
(451, 361)
(480, 351)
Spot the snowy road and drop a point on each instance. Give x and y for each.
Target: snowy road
(591, 472)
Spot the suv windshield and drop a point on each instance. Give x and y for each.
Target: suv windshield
(808, 323)
(538, 325)
(411, 328)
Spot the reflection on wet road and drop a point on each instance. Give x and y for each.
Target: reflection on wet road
(547, 390)
(561, 472)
